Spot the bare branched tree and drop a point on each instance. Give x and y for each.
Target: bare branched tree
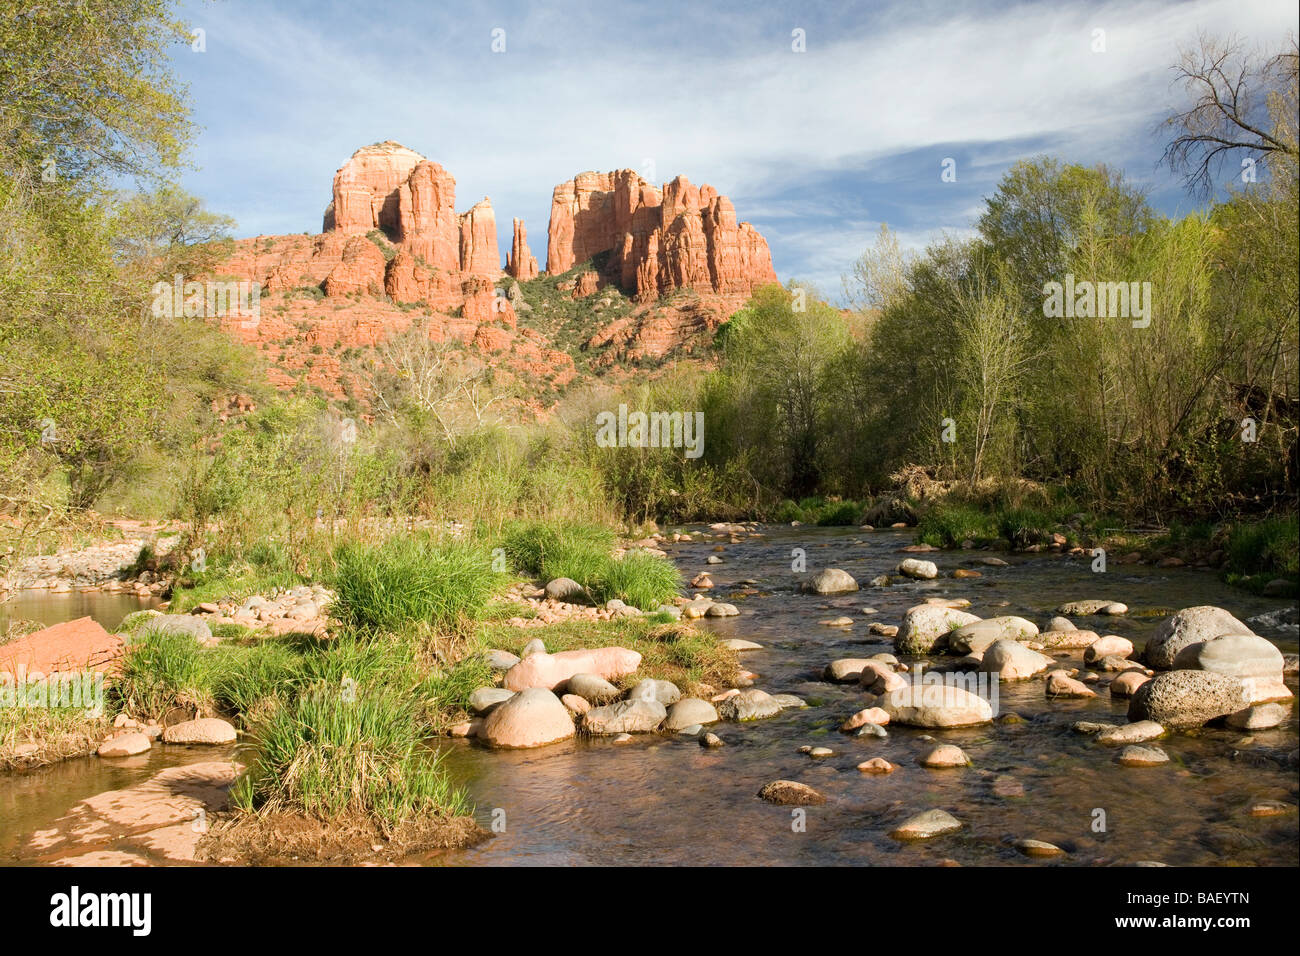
(411, 373)
(1241, 103)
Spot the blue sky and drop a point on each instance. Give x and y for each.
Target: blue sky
(816, 148)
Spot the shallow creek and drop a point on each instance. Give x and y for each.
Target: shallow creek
(666, 800)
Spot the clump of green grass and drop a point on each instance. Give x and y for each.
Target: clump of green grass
(162, 670)
(412, 580)
(639, 579)
(948, 525)
(539, 547)
(329, 753)
(582, 553)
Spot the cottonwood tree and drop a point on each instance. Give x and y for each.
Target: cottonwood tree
(1243, 105)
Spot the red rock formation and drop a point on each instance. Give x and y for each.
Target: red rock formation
(366, 189)
(360, 270)
(521, 263)
(478, 241)
(427, 216)
(657, 241)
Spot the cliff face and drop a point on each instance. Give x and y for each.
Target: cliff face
(655, 241)
(521, 264)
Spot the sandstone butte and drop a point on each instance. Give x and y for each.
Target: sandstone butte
(391, 237)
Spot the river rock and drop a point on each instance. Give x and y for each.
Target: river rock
(846, 670)
(195, 627)
(552, 670)
(694, 610)
(1038, 849)
(935, 705)
(124, 745)
(1142, 757)
(531, 718)
(923, 826)
(787, 701)
(878, 677)
(1259, 716)
(663, 691)
(567, 590)
(575, 704)
(1113, 662)
(876, 765)
(710, 740)
(204, 730)
(1127, 683)
(1138, 732)
(749, 704)
(535, 646)
(624, 717)
(688, 711)
(830, 581)
(1060, 684)
(975, 638)
(485, 698)
(1237, 655)
(869, 715)
(789, 793)
(500, 660)
(1111, 644)
(1191, 625)
(740, 644)
(1011, 660)
(1088, 608)
(593, 688)
(943, 756)
(916, 568)
(718, 609)
(1060, 624)
(1182, 700)
(924, 624)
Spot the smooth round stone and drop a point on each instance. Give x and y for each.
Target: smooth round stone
(841, 621)
(1142, 757)
(124, 745)
(871, 730)
(750, 704)
(576, 705)
(485, 698)
(789, 793)
(535, 646)
(918, 569)
(531, 718)
(1127, 683)
(592, 687)
(1037, 848)
(1270, 808)
(830, 581)
(1259, 717)
(820, 752)
(688, 712)
(876, 765)
(944, 755)
(924, 826)
(846, 670)
(740, 644)
(205, 730)
(500, 660)
(649, 688)
(719, 609)
(1137, 732)
(710, 740)
(567, 590)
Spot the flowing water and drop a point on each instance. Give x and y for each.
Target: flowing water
(666, 800)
